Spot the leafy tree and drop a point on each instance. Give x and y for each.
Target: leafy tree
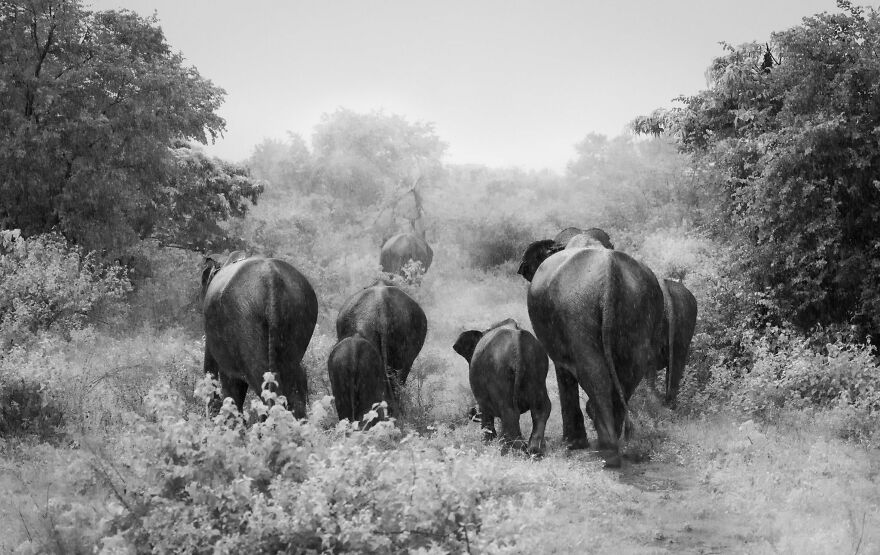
(362, 158)
(91, 104)
(794, 124)
(286, 166)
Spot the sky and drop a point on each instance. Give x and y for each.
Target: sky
(505, 82)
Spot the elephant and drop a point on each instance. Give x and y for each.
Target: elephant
(260, 314)
(583, 238)
(393, 322)
(403, 247)
(508, 376)
(680, 319)
(599, 314)
(357, 378)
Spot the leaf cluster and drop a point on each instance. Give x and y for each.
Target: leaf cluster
(797, 141)
(91, 104)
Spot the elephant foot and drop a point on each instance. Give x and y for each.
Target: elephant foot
(576, 444)
(613, 461)
(536, 448)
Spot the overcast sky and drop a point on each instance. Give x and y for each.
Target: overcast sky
(505, 82)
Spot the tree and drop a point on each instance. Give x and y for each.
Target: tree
(797, 139)
(92, 106)
(365, 159)
(286, 166)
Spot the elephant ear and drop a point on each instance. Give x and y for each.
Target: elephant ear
(535, 254)
(563, 237)
(600, 236)
(466, 343)
(210, 267)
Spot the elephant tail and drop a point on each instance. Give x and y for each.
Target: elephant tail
(608, 326)
(669, 308)
(516, 366)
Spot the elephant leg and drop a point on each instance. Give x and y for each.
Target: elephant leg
(234, 388)
(673, 382)
(487, 425)
(540, 415)
(293, 384)
(511, 434)
(573, 431)
(211, 368)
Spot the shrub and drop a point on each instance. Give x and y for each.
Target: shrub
(490, 243)
(186, 483)
(26, 408)
(48, 284)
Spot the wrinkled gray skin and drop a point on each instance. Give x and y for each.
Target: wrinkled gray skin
(259, 317)
(508, 375)
(573, 237)
(599, 315)
(357, 378)
(680, 319)
(393, 322)
(403, 247)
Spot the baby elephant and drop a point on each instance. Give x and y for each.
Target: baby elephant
(508, 375)
(357, 378)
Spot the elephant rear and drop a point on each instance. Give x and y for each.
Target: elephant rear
(508, 373)
(357, 377)
(260, 314)
(400, 249)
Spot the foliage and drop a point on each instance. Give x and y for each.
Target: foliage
(795, 135)
(362, 157)
(495, 240)
(633, 184)
(198, 485)
(94, 381)
(47, 284)
(285, 165)
(92, 108)
(26, 408)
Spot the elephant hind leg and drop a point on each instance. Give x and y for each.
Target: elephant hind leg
(234, 388)
(487, 425)
(511, 434)
(573, 431)
(540, 415)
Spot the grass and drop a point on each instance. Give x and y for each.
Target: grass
(717, 484)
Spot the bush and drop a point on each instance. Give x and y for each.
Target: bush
(494, 242)
(48, 284)
(96, 381)
(185, 483)
(841, 380)
(27, 409)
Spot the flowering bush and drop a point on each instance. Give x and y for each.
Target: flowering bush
(47, 284)
(191, 484)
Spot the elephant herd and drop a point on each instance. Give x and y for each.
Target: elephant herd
(601, 316)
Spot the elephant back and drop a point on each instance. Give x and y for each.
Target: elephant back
(585, 289)
(403, 247)
(387, 317)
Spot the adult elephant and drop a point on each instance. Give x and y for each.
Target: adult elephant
(508, 376)
(582, 238)
(357, 378)
(403, 247)
(599, 315)
(680, 319)
(260, 314)
(393, 322)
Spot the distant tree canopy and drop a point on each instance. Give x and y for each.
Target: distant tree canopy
(94, 112)
(796, 134)
(373, 160)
